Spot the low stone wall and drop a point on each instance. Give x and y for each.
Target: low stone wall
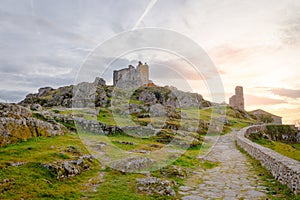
(284, 169)
(95, 126)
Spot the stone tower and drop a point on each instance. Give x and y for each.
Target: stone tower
(237, 100)
(143, 73)
(131, 77)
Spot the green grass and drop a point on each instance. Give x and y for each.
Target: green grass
(190, 158)
(276, 191)
(116, 185)
(289, 150)
(32, 180)
(125, 183)
(235, 122)
(139, 143)
(106, 116)
(119, 186)
(192, 117)
(40, 150)
(134, 101)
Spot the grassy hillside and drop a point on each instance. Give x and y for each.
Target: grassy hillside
(289, 150)
(22, 166)
(31, 180)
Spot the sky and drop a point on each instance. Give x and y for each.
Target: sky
(255, 44)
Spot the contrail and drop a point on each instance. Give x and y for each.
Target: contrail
(150, 5)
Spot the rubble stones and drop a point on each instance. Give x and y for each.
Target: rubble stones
(155, 186)
(69, 168)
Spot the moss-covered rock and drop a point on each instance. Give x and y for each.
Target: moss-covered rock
(17, 123)
(69, 168)
(173, 171)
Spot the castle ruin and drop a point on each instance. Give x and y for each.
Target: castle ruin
(237, 100)
(132, 77)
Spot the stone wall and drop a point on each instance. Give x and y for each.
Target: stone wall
(284, 169)
(94, 126)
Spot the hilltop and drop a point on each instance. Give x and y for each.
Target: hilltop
(101, 108)
(68, 127)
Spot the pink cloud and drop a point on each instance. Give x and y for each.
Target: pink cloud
(257, 100)
(228, 54)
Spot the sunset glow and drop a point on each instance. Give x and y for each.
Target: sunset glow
(255, 44)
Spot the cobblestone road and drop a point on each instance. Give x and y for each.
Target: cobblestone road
(231, 179)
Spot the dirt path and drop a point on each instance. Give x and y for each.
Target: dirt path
(231, 179)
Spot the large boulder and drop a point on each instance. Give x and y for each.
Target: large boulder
(99, 82)
(17, 123)
(44, 91)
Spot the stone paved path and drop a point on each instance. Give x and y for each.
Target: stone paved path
(231, 179)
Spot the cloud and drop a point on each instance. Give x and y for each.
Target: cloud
(257, 100)
(290, 27)
(229, 54)
(12, 95)
(290, 93)
(43, 43)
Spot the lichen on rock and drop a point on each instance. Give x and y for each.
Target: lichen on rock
(17, 123)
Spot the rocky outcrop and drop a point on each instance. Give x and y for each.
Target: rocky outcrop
(14, 111)
(99, 82)
(69, 168)
(155, 186)
(48, 97)
(80, 95)
(169, 96)
(17, 123)
(98, 94)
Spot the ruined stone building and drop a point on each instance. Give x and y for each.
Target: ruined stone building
(132, 77)
(237, 100)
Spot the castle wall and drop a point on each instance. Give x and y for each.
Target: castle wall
(131, 77)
